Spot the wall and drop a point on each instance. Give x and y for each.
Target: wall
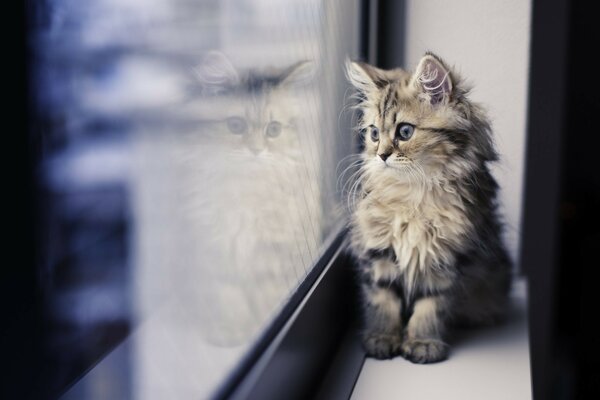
(488, 43)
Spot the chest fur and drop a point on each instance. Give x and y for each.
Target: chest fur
(424, 229)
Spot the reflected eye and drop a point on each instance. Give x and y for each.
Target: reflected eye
(404, 131)
(374, 133)
(237, 125)
(273, 129)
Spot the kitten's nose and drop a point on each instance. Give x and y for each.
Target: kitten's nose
(384, 156)
(256, 150)
(256, 144)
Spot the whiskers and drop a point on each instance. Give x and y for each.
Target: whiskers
(350, 178)
(360, 173)
(349, 107)
(414, 172)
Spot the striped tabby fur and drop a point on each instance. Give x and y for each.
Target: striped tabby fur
(424, 229)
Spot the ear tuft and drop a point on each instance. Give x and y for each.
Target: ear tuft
(358, 77)
(299, 74)
(364, 77)
(215, 73)
(433, 79)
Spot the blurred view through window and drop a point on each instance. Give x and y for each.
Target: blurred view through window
(188, 178)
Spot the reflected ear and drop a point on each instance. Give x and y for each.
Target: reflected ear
(433, 79)
(299, 74)
(216, 73)
(364, 77)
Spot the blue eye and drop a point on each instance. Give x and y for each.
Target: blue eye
(374, 133)
(237, 125)
(404, 131)
(273, 129)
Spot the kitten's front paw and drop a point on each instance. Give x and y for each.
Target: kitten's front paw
(382, 346)
(424, 351)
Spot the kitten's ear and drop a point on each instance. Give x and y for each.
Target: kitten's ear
(215, 73)
(364, 77)
(433, 79)
(299, 74)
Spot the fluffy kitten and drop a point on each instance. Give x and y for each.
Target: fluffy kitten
(425, 228)
(241, 205)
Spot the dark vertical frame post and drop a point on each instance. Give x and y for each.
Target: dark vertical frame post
(547, 88)
(368, 30)
(21, 331)
(391, 29)
(576, 345)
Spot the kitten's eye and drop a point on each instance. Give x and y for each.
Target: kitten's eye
(404, 131)
(273, 129)
(237, 125)
(374, 134)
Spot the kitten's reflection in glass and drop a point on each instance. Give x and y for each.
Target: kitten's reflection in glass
(248, 194)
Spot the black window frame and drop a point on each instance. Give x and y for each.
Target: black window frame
(561, 197)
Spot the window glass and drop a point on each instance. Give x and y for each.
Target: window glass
(188, 179)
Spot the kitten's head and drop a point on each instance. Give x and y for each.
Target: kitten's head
(252, 112)
(419, 124)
